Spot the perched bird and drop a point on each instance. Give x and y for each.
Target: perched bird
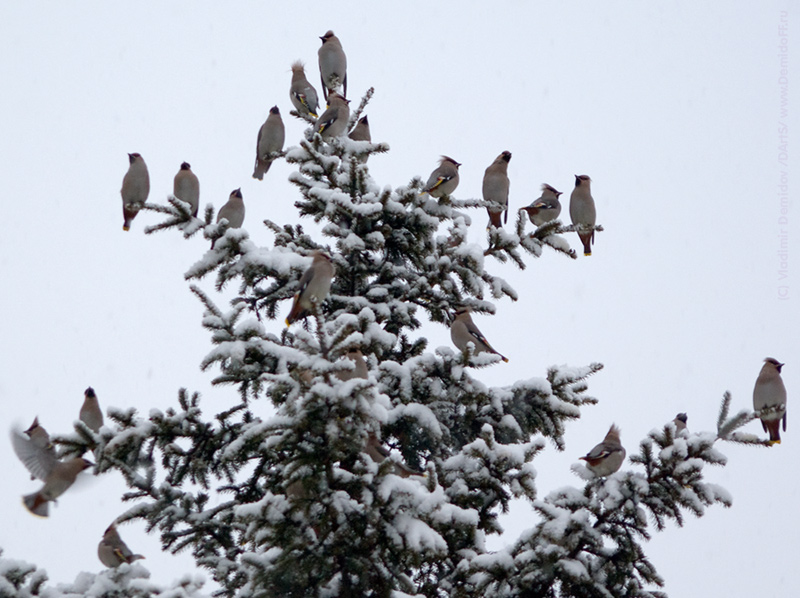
(301, 92)
(770, 393)
(495, 188)
(680, 422)
(271, 136)
(90, 413)
(546, 208)
(333, 122)
(463, 330)
(135, 189)
(57, 475)
(379, 453)
(38, 435)
(360, 370)
(361, 131)
(332, 64)
(444, 179)
(186, 187)
(315, 284)
(582, 210)
(112, 551)
(232, 211)
(607, 457)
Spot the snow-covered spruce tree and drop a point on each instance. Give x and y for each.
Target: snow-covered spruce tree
(386, 485)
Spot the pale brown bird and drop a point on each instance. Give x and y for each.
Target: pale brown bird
(379, 453)
(495, 188)
(270, 139)
(770, 394)
(90, 412)
(359, 370)
(546, 208)
(680, 422)
(582, 210)
(112, 551)
(186, 187)
(444, 178)
(302, 93)
(315, 284)
(607, 457)
(232, 211)
(135, 189)
(332, 65)
(463, 331)
(361, 133)
(334, 121)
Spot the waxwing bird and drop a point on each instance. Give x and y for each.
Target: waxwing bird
(463, 330)
(360, 370)
(232, 211)
(301, 92)
(582, 210)
(495, 188)
(546, 208)
(770, 393)
(361, 133)
(90, 413)
(680, 422)
(271, 136)
(112, 551)
(379, 453)
(315, 284)
(186, 187)
(333, 122)
(607, 457)
(444, 179)
(135, 189)
(57, 480)
(332, 65)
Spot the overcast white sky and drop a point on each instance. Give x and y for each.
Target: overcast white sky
(672, 109)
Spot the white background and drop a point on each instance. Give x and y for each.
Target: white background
(672, 109)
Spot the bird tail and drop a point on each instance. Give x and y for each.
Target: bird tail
(296, 313)
(36, 504)
(587, 242)
(260, 169)
(773, 426)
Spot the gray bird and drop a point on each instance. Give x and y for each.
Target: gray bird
(770, 393)
(90, 413)
(232, 211)
(186, 187)
(361, 133)
(301, 92)
(444, 179)
(495, 188)
(359, 371)
(135, 189)
(680, 422)
(271, 136)
(332, 65)
(379, 453)
(315, 284)
(582, 210)
(607, 457)
(334, 121)
(546, 208)
(58, 476)
(112, 551)
(463, 330)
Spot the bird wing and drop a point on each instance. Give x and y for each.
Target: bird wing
(38, 460)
